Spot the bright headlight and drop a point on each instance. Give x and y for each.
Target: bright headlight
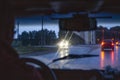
(63, 44)
(67, 43)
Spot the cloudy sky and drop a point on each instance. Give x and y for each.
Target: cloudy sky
(35, 22)
(109, 22)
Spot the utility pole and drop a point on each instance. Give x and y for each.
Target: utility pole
(103, 34)
(17, 31)
(42, 35)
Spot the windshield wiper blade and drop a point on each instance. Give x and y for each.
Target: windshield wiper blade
(74, 56)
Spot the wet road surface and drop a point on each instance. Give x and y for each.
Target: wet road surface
(103, 59)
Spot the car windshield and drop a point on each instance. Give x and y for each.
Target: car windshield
(41, 38)
(108, 41)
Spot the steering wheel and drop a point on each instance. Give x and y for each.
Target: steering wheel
(48, 73)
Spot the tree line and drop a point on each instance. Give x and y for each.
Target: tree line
(46, 37)
(41, 37)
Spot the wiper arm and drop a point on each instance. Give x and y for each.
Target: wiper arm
(73, 56)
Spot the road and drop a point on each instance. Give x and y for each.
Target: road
(104, 58)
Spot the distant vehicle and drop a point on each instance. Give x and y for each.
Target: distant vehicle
(107, 44)
(117, 43)
(64, 44)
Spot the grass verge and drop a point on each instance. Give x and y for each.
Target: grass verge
(32, 49)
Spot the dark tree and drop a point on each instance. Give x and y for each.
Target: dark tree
(41, 37)
(32, 37)
(24, 37)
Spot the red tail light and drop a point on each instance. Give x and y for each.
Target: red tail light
(117, 43)
(112, 44)
(102, 43)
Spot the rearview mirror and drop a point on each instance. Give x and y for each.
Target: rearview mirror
(78, 23)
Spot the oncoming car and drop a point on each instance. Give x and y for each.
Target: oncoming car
(64, 44)
(107, 44)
